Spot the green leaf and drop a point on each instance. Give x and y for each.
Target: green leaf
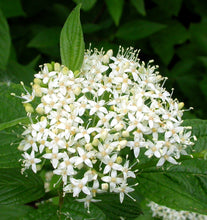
(113, 209)
(135, 30)
(77, 211)
(86, 5)
(115, 8)
(11, 10)
(198, 35)
(11, 107)
(16, 188)
(172, 7)
(13, 123)
(164, 41)
(14, 212)
(140, 6)
(48, 37)
(16, 72)
(72, 42)
(44, 211)
(182, 187)
(5, 41)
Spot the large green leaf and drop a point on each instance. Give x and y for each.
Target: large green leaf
(172, 7)
(135, 30)
(77, 211)
(71, 41)
(115, 8)
(16, 188)
(14, 212)
(11, 107)
(113, 209)
(181, 187)
(5, 41)
(44, 211)
(86, 4)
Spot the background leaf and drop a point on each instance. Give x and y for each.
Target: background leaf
(12, 10)
(135, 30)
(5, 41)
(71, 41)
(115, 8)
(16, 188)
(140, 6)
(14, 212)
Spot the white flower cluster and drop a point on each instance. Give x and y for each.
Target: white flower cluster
(91, 124)
(171, 214)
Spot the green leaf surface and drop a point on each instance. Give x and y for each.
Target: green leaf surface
(13, 123)
(14, 212)
(86, 4)
(140, 6)
(11, 107)
(5, 41)
(46, 38)
(17, 72)
(172, 7)
(164, 41)
(12, 10)
(44, 211)
(16, 188)
(115, 8)
(135, 30)
(113, 209)
(72, 42)
(77, 211)
(198, 35)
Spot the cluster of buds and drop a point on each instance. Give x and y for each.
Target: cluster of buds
(172, 214)
(91, 124)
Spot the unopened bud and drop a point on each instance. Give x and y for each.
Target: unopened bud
(109, 53)
(42, 118)
(28, 108)
(20, 147)
(104, 134)
(180, 105)
(105, 59)
(125, 134)
(123, 143)
(104, 186)
(37, 81)
(40, 110)
(95, 142)
(76, 72)
(77, 91)
(49, 66)
(65, 70)
(119, 160)
(37, 89)
(57, 67)
(88, 147)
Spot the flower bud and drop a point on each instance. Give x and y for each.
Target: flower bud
(28, 108)
(180, 105)
(125, 134)
(95, 142)
(104, 186)
(40, 110)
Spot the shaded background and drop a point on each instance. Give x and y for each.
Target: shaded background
(173, 33)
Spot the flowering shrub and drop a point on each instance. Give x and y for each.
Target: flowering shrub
(89, 123)
(100, 128)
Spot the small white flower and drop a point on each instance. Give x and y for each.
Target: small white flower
(30, 160)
